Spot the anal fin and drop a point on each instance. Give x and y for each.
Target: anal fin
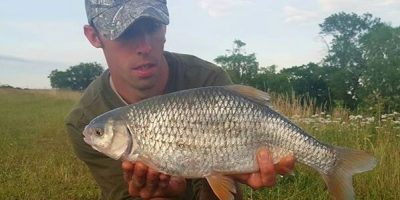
(223, 187)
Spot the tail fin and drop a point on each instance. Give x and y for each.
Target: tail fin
(350, 162)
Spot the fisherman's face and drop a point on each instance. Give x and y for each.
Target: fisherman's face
(136, 57)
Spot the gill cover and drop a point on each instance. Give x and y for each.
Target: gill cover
(118, 139)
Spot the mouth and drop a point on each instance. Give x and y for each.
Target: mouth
(87, 140)
(86, 137)
(145, 70)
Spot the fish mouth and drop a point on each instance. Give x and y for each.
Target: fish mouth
(86, 136)
(87, 140)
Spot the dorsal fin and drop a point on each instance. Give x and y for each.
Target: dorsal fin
(254, 94)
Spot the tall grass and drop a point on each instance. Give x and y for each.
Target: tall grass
(37, 161)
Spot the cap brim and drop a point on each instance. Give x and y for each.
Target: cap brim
(114, 21)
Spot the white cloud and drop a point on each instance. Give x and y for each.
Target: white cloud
(336, 5)
(385, 9)
(217, 8)
(357, 5)
(388, 2)
(297, 15)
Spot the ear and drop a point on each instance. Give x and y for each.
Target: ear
(92, 35)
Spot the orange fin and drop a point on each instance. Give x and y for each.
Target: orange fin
(223, 187)
(350, 162)
(254, 94)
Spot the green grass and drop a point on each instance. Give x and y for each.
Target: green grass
(37, 161)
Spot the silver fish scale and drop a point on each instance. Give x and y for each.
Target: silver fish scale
(210, 130)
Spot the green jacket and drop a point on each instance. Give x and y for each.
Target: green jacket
(185, 72)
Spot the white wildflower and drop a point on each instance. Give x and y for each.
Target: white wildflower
(370, 119)
(328, 116)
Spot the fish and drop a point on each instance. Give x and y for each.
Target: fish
(213, 132)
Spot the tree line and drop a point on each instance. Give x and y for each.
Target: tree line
(361, 70)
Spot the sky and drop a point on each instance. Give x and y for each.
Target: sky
(40, 36)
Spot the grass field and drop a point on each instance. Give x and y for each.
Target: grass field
(37, 161)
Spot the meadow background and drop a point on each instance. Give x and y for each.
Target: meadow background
(37, 161)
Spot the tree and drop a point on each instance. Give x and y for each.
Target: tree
(380, 81)
(241, 67)
(346, 55)
(308, 82)
(76, 77)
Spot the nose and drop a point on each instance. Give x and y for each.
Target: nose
(143, 46)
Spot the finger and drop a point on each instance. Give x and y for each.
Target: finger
(127, 168)
(139, 175)
(175, 189)
(242, 178)
(134, 191)
(128, 176)
(152, 180)
(164, 180)
(177, 186)
(127, 165)
(255, 181)
(285, 165)
(267, 168)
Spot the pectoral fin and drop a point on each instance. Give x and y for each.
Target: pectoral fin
(222, 186)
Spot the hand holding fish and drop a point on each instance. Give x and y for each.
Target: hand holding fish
(147, 183)
(266, 176)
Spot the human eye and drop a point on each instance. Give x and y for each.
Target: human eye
(129, 34)
(153, 27)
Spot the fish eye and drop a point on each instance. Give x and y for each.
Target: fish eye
(98, 133)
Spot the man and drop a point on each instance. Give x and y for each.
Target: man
(131, 34)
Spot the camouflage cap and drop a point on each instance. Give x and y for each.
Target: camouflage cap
(113, 17)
